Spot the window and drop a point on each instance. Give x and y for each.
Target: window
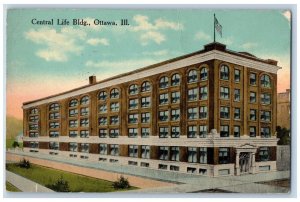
(84, 147)
(252, 79)
(163, 98)
(73, 112)
(252, 97)
(133, 118)
(163, 115)
(133, 89)
(192, 131)
(175, 114)
(175, 132)
(175, 97)
(265, 132)
(102, 121)
(237, 131)
(34, 145)
(203, 74)
(114, 107)
(33, 127)
(114, 93)
(132, 132)
(34, 111)
(264, 154)
(163, 82)
(33, 134)
(145, 102)
(73, 123)
(53, 134)
(224, 113)
(146, 86)
(85, 100)
(34, 119)
(203, 112)
(145, 117)
(253, 114)
(192, 154)
(54, 125)
(145, 132)
(237, 75)
(237, 113)
(102, 133)
(84, 111)
(133, 103)
(265, 115)
(224, 131)
(191, 170)
(265, 81)
(54, 107)
(164, 153)
(223, 155)
(202, 131)
(175, 81)
(53, 115)
(133, 151)
(114, 120)
(145, 152)
(103, 149)
(224, 72)
(224, 92)
(203, 155)
(237, 95)
(203, 93)
(192, 76)
(73, 133)
(174, 153)
(163, 132)
(84, 133)
(84, 122)
(113, 133)
(114, 150)
(73, 103)
(265, 98)
(102, 95)
(193, 113)
(73, 146)
(193, 94)
(252, 130)
(103, 108)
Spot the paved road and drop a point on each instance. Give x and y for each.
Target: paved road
(24, 184)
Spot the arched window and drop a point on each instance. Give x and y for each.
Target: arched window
(265, 81)
(146, 86)
(85, 100)
(54, 107)
(133, 89)
(114, 93)
(203, 74)
(224, 72)
(73, 103)
(164, 82)
(192, 76)
(102, 95)
(175, 81)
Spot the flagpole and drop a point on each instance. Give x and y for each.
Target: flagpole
(214, 27)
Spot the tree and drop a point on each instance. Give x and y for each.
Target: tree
(60, 185)
(15, 144)
(284, 136)
(121, 183)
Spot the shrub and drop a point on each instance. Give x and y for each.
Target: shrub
(60, 185)
(121, 183)
(24, 164)
(15, 144)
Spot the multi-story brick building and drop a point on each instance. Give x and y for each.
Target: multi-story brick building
(284, 109)
(211, 112)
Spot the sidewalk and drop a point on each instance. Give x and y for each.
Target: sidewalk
(24, 184)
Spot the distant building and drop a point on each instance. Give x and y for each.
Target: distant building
(284, 109)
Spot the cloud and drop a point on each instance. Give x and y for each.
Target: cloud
(98, 41)
(227, 41)
(156, 53)
(249, 45)
(152, 36)
(287, 15)
(202, 36)
(57, 45)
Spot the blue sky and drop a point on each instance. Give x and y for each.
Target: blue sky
(51, 59)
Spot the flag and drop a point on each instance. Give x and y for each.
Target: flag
(218, 26)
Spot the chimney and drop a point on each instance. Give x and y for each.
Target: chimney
(92, 80)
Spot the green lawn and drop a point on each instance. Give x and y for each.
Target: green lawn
(77, 183)
(11, 188)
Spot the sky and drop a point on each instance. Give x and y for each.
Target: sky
(47, 59)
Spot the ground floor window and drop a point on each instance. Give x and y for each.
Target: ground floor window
(223, 155)
(264, 154)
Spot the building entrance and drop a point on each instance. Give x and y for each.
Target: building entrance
(244, 162)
